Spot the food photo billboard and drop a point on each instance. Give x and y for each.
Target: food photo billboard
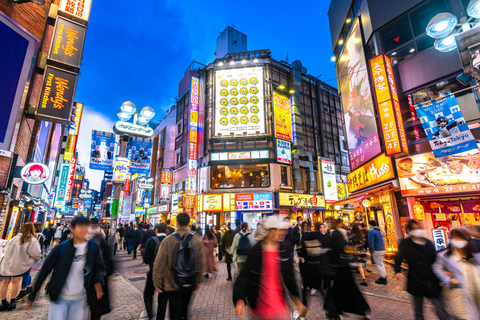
(239, 101)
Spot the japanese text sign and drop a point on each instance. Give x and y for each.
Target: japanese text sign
(439, 239)
(253, 201)
(388, 106)
(283, 117)
(378, 170)
(77, 8)
(301, 201)
(166, 176)
(212, 202)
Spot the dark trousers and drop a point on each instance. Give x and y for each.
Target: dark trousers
(220, 250)
(418, 302)
(179, 301)
(129, 245)
(135, 246)
(229, 270)
(148, 294)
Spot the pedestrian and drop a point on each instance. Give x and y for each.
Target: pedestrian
(474, 231)
(260, 232)
(95, 231)
(151, 249)
(220, 234)
(267, 271)
(458, 268)
(227, 247)
(420, 256)
(356, 238)
(242, 243)
(49, 234)
(40, 236)
(366, 244)
(297, 230)
(171, 261)
(20, 254)
(344, 295)
(58, 233)
(70, 288)
(137, 239)
(289, 241)
(66, 233)
(209, 245)
(129, 237)
(170, 229)
(326, 241)
(377, 249)
(121, 233)
(148, 233)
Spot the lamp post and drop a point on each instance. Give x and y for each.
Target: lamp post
(137, 128)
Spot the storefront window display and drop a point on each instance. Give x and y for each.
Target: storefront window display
(240, 176)
(452, 214)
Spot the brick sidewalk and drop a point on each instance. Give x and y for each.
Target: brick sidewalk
(214, 298)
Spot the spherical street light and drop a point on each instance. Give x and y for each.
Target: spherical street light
(473, 9)
(142, 120)
(141, 179)
(147, 112)
(441, 25)
(149, 180)
(446, 44)
(123, 116)
(128, 107)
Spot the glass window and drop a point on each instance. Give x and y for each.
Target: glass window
(396, 35)
(284, 174)
(424, 14)
(403, 53)
(240, 176)
(424, 42)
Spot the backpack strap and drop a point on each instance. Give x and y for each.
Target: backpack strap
(61, 250)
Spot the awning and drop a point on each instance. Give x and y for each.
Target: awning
(351, 199)
(360, 196)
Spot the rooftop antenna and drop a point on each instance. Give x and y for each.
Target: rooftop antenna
(287, 57)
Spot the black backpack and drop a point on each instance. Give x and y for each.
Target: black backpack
(244, 245)
(184, 264)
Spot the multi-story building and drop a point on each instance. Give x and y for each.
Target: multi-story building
(401, 42)
(250, 132)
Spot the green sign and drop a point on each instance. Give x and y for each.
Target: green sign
(114, 210)
(152, 210)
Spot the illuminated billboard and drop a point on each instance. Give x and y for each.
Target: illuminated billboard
(378, 170)
(239, 102)
(283, 117)
(357, 102)
(76, 8)
(67, 42)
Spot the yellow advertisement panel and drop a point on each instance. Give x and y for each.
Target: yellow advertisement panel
(283, 117)
(301, 201)
(212, 202)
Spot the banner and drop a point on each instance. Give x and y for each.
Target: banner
(101, 152)
(329, 180)
(283, 117)
(139, 152)
(62, 186)
(445, 127)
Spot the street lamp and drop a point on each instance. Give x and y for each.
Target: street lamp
(473, 9)
(441, 25)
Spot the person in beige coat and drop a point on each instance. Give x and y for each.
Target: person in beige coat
(21, 253)
(179, 297)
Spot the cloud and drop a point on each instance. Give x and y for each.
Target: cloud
(91, 120)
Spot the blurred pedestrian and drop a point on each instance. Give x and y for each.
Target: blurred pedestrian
(129, 237)
(66, 233)
(40, 236)
(458, 268)
(344, 295)
(297, 230)
(58, 233)
(220, 234)
(474, 231)
(49, 233)
(227, 247)
(171, 261)
(260, 232)
(326, 241)
(151, 249)
(121, 234)
(137, 239)
(242, 243)
(209, 245)
(148, 233)
(20, 254)
(267, 271)
(289, 241)
(377, 249)
(356, 238)
(170, 229)
(420, 255)
(70, 288)
(95, 231)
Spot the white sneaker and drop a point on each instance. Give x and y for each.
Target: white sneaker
(314, 292)
(295, 315)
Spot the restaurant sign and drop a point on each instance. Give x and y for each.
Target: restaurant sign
(301, 201)
(212, 202)
(378, 170)
(56, 97)
(76, 8)
(67, 43)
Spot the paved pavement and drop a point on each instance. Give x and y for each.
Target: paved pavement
(213, 299)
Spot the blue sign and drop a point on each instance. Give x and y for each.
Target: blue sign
(139, 152)
(102, 150)
(254, 201)
(445, 127)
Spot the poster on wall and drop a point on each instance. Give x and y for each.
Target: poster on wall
(445, 127)
(139, 152)
(283, 117)
(284, 151)
(239, 101)
(424, 174)
(101, 153)
(359, 114)
(329, 180)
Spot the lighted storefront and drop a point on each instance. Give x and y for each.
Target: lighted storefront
(254, 206)
(305, 205)
(157, 214)
(215, 209)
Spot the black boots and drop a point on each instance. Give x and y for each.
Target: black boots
(381, 281)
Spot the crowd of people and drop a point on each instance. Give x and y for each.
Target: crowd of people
(279, 267)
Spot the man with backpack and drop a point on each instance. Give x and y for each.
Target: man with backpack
(151, 249)
(178, 268)
(70, 287)
(242, 243)
(129, 237)
(137, 239)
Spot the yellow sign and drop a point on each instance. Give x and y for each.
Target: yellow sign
(301, 201)
(212, 202)
(419, 212)
(378, 170)
(341, 191)
(283, 117)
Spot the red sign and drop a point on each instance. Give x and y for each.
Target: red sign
(126, 188)
(244, 197)
(189, 202)
(192, 151)
(413, 113)
(71, 174)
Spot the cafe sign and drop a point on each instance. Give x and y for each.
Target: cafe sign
(56, 97)
(378, 170)
(67, 43)
(301, 201)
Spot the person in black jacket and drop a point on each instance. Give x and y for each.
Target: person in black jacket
(78, 271)
(137, 239)
(420, 255)
(49, 233)
(289, 241)
(149, 256)
(268, 269)
(147, 235)
(129, 237)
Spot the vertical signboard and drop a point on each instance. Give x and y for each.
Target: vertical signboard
(166, 176)
(388, 106)
(67, 42)
(239, 102)
(73, 133)
(284, 151)
(76, 8)
(354, 84)
(140, 153)
(329, 180)
(71, 174)
(193, 134)
(62, 186)
(56, 97)
(283, 117)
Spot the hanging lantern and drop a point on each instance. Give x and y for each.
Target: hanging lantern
(366, 203)
(418, 212)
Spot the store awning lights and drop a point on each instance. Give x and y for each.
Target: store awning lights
(446, 44)
(441, 25)
(473, 8)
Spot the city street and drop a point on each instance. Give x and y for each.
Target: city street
(213, 299)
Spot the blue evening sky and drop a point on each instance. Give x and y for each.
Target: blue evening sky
(138, 50)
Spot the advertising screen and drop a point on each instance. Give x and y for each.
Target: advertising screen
(357, 102)
(102, 150)
(239, 101)
(424, 174)
(329, 180)
(140, 152)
